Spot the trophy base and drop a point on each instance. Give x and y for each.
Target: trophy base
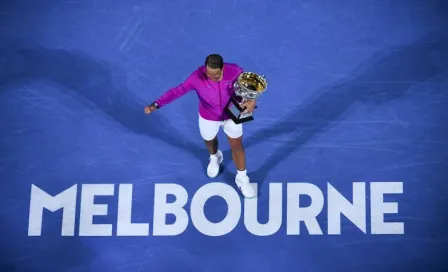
(235, 112)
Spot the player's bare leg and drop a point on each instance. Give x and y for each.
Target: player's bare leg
(212, 146)
(238, 154)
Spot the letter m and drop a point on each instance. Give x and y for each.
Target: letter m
(65, 200)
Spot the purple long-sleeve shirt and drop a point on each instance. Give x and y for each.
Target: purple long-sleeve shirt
(213, 95)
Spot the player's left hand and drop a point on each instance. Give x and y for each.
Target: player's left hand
(249, 106)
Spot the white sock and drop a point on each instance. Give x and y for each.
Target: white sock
(241, 173)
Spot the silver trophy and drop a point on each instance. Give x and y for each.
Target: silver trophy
(248, 86)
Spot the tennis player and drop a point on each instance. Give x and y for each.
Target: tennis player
(213, 83)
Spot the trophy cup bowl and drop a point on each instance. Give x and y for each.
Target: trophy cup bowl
(248, 86)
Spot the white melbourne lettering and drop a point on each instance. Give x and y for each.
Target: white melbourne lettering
(297, 216)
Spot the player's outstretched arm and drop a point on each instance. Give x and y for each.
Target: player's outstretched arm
(172, 94)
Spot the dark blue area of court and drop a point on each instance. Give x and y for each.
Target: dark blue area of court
(357, 92)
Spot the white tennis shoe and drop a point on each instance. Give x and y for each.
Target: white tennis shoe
(243, 183)
(214, 164)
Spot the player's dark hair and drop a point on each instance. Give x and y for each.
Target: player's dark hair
(214, 61)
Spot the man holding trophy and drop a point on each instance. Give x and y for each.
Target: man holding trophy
(227, 98)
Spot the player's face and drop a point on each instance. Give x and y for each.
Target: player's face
(214, 74)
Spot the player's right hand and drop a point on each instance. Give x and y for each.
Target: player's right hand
(149, 109)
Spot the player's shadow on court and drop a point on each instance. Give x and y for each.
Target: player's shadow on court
(99, 84)
(385, 76)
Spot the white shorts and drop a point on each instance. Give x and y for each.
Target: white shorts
(209, 129)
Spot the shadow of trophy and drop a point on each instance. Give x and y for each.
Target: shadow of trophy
(248, 86)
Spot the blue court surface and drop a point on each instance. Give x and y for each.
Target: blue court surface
(348, 149)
